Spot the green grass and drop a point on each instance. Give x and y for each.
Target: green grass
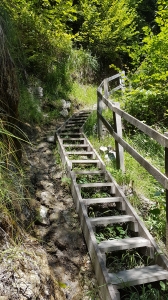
(84, 96)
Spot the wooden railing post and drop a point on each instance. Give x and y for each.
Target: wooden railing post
(166, 173)
(99, 109)
(106, 93)
(119, 148)
(122, 81)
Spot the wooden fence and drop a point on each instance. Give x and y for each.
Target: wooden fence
(103, 93)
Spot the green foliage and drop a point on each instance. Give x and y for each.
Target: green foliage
(84, 66)
(83, 95)
(29, 107)
(12, 191)
(44, 42)
(148, 98)
(149, 106)
(111, 232)
(146, 292)
(107, 27)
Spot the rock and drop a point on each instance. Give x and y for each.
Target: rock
(47, 185)
(54, 217)
(65, 104)
(68, 104)
(46, 198)
(43, 212)
(64, 113)
(51, 139)
(103, 149)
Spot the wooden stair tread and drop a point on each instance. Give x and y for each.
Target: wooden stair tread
(84, 161)
(74, 133)
(73, 139)
(65, 132)
(76, 146)
(138, 276)
(80, 152)
(111, 220)
(102, 200)
(87, 172)
(96, 184)
(123, 244)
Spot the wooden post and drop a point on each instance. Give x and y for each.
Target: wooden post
(166, 173)
(119, 148)
(99, 108)
(106, 94)
(122, 81)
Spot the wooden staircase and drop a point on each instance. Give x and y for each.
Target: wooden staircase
(81, 159)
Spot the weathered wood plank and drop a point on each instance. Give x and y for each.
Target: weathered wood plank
(123, 244)
(76, 146)
(160, 138)
(84, 161)
(97, 184)
(91, 172)
(138, 276)
(102, 200)
(87, 153)
(118, 147)
(111, 220)
(113, 77)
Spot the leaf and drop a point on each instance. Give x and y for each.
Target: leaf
(62, 285)
(162, 285)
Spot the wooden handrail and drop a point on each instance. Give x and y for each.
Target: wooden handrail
(114, 107)
(116, 132)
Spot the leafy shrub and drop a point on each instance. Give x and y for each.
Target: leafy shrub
(149, 106)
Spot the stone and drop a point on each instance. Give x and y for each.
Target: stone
(43, 212)
(65, 104)
(103, 149)
(51, 139)
(54, 216)
(46, 198)
(64, 113)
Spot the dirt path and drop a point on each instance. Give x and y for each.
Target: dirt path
(58, 228)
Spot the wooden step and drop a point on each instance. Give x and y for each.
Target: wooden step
(65, 136)
(87, 172)
(73, 139)
(80, 153)
(138, 276)
(77, 146)
(85, 161)
(96, 184)
(71, 129)
(102, 200)
(76, 121)
(123, 244)
(74, 124)
(111, 220)
(65, 132)
(73, 134)
(82, 118)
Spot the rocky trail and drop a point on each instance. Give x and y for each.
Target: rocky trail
(57, 226)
